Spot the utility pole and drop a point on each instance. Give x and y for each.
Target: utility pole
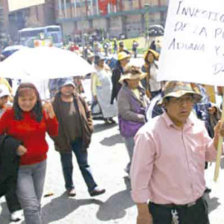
(161, 13)
(146, 6)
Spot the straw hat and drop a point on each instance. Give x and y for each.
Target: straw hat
(122, 55)
(178, 89)
(153, 52)
(132, 72)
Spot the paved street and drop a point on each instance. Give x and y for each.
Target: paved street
(108, 157)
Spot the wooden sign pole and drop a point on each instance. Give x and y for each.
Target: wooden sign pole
(219, 149)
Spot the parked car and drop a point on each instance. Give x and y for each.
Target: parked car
(155, 30)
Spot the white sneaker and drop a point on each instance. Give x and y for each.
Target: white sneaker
(16, 216)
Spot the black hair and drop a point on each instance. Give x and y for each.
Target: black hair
(147, 55)
(37, 113)
(98, 58)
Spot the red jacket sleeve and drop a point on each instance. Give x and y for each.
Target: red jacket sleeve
(4, 120)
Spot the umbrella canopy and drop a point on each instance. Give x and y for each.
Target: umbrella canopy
(43, 63)
(12, 49)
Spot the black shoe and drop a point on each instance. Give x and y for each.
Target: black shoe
(207, 190)
(112, 121)
(97, 191)
(71, 193)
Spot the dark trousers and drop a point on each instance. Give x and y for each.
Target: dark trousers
(195, 214)
(12, 201)
(82, 159)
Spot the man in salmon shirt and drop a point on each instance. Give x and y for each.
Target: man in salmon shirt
(168, 163)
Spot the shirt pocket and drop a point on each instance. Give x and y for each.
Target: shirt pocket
(198, 155)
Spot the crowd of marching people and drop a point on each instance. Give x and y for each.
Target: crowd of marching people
(170, 130)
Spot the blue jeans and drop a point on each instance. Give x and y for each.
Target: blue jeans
(30, 185)
(82, 159)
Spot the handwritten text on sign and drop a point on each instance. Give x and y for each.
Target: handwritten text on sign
(193, 46)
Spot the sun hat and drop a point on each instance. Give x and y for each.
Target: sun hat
(153, 52)
(4, 91)
(178, 89)
(122, 55)
(132, 72)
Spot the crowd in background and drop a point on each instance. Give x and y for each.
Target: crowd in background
(121, 92)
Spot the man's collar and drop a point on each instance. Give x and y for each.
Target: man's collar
(170, 123)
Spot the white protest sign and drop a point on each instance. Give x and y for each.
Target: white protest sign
(193, 45)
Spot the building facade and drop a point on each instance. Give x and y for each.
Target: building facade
(23, 13)
(115, 18)
(107, 18)
(3, 16)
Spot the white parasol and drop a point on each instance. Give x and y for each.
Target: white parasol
(44, 63)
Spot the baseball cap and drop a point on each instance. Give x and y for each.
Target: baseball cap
(66, 82)
(178, 89)
(4, 91)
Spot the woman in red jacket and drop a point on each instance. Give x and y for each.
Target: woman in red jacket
(28, 121)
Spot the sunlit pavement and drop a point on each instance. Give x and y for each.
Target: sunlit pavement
(108, 158)
(216, 197)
